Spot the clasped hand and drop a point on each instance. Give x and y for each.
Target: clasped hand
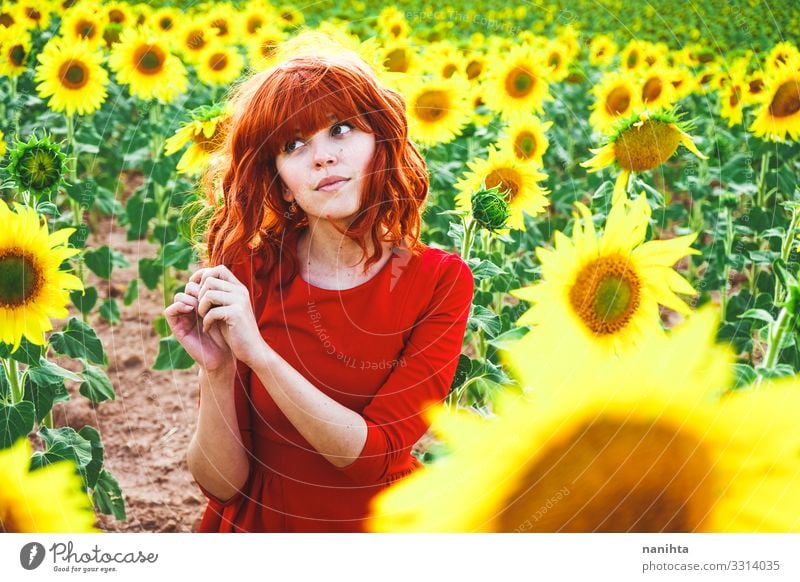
(213, 319)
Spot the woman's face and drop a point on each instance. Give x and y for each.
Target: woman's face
(325, 173)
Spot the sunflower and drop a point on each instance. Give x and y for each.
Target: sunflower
(142, 60)
(84, 22)
(261, 49)
(72, 75)
(731, 100)
(602, 50)
(657, 91)
(557, 59)
(616, 97)
(400, 57)
(642, 443)
(37, 166)
(517, 180)
(166, 19)
(755, 83)
(442, 59)
(192, 39)
(526, 138)
(683, 82)
(633, 55)
(15, 48)
(783, 55)
(255, 17)
(604, 290)
(289, 17)
(779, 111)
(516, 83)
(35, 14)
(437, 109)
(49, 499)
(206, 131)
(219, 64)
(642, 142)
(474, 65)
(221, 24)
(33, 288)
(392, 23)
(119, 13)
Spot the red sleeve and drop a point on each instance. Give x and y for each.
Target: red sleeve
(395, 415)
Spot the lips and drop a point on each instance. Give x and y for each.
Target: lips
(332, 182)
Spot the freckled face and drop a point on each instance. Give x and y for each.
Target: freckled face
(325, 173)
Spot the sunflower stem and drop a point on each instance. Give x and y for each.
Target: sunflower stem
(469, 236)
(777, 331)
(726, 270)
(14, 108)
(762, 180)
(786, 250)
(10, 366)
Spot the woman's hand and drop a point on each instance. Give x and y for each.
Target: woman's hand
(224, 303)
(208, 349)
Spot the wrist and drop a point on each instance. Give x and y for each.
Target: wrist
(223, 372)
(260, 356)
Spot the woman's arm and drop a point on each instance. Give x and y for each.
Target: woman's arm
(217, 458)
(335, 431)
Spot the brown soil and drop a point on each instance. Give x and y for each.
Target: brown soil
(147, 429)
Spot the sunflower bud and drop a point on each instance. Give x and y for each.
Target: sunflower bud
(490, 208)
(37, 166)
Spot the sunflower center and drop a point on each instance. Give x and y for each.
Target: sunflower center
(254, 23)
(633, 60)
(85, 29)
(615, 475)
(786, 101)
(756, 85)
(606, 294)
(74, 74)
(39, 169)
(6, 19)
(20, 280)
(520, 83)
(474, 69)
(508, 181)
(554, 60)
(652, 89)
(195, 40)
(218, 62)
(525, 145)
(116, 16)
(449, 70)
(431, 106)
(647, 146)
(268, 48)
(618, 101)
(397, 61)
(734, 98)
(150, 59)
(165, 23)
(17, 55)
(221, 25)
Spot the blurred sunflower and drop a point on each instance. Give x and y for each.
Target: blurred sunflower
(72, 75)
(683, 83)
(474, 65)
(633, 55)
(289, 17)
(602, 50)
(219, 64)
(192, 39)
(142, 60)
(779, 111)
(15, 48)
(33, 288)
(37, 166)
(518, 181)
(557, 59)
(755, 83)
(84, 22)
(221, 23)
(635, 444)
(642, 142)
(400, 57)
(261, 49)
(46, 500)
(166, 19)
(442, 60)
(731, 101)
(616, 97)
(206, 132)
(657, 92)
(516, 83)
(255, 16)
(527, 138)
(481, 115)
(783, 55)
(437, 109)
(604, 290)
(35, 13)
(392, 23)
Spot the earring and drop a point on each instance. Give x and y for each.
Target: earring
(293, 207)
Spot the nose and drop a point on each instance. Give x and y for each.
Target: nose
(324, 153)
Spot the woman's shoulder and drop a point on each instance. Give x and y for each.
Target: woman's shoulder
(436, 263)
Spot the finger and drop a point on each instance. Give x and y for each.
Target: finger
(220, 272)
(197, 275)
(215, 283)
(192, 289)
(186, 299)
(177, 309)
(220, 314)
(213, 299)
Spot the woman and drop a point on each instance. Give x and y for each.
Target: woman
(326, 328)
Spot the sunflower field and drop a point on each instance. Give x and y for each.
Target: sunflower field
(622, 178)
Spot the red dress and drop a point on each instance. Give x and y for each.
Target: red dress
(387, 348)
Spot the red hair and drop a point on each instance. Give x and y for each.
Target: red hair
(298, 96)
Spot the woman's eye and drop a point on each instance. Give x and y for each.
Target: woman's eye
(292, 145)
(341, 128)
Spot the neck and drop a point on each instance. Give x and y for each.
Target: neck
(325, 248)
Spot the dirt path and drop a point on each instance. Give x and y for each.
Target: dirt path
(147, 429)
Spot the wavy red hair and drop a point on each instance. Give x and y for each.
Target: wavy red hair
(298, 96)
